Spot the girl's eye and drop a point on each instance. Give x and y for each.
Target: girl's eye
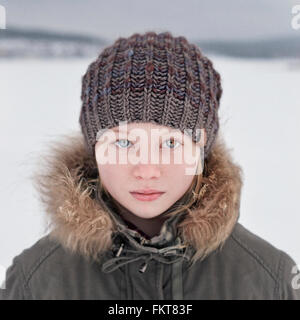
(123, 145)
(171, 143)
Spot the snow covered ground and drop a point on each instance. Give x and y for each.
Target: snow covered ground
(260, 121)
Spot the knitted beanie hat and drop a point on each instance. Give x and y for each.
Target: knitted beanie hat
(154, 78)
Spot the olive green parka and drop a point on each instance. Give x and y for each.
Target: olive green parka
(89, 252)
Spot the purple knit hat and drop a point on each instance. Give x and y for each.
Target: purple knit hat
(154, 78)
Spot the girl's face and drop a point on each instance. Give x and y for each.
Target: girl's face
(138, 156)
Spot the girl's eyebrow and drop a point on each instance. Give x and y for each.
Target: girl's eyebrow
(124, 131)
(117, 129)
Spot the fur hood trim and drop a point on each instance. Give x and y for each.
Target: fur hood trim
(66, 184)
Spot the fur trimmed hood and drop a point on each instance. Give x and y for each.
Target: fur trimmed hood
(66, 184)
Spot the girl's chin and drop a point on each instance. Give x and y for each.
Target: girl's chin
(149, 215)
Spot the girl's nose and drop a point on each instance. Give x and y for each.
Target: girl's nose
(147, 171)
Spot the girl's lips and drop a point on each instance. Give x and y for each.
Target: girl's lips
(146, 197)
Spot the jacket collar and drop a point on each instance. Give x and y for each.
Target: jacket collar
(167, 235)
(67, 184)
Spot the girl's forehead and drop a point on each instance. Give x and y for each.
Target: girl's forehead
(143, 125)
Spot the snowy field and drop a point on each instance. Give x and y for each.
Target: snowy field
(260, 121)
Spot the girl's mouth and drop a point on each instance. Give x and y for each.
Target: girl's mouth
(146, 197)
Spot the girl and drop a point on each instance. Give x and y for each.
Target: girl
(123, 226)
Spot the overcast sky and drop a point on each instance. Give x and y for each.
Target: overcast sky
(196, 19)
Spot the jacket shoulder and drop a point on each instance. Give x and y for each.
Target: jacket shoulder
(49, 270)
(257, 248)
(23, 267)
(33, 257)
(270, 260)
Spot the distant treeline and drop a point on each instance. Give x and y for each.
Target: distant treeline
(267, 48)
(16, 42)
(46, 35)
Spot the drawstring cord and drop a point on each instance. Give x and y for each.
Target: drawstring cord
(134, 255)
(177, 286)
(175, 254)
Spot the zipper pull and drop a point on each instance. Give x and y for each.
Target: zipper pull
(143, 267)
(120, 250)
